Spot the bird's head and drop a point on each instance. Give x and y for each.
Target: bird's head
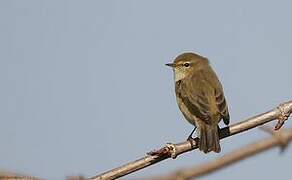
(185, 64)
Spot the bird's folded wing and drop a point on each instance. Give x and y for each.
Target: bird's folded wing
(212, 78)
(222, 106)
(196, 100)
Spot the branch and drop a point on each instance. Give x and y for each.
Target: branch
(281, 113)
(14, 176)
(280, 138)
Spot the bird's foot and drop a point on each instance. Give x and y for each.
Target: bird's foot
(191, 140)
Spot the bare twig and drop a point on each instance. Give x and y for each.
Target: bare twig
(14, 176)
(280, 138)
(75, 178)
(281, 113)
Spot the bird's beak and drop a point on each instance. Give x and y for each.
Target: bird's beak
(170, 64)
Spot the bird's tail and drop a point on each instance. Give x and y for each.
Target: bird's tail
(209, 138)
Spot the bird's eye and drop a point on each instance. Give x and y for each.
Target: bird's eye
(186, 64)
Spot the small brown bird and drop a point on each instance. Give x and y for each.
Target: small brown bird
(200, 98)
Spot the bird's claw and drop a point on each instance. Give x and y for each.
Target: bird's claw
(191, 140)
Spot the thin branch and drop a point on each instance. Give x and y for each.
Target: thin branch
(281, 113)
(14, 176)
(280, 138)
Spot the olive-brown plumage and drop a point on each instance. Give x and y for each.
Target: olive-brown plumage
(200, 98)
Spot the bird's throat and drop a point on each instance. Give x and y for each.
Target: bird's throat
(179, 75)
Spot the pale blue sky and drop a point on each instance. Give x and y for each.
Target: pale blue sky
(84, 87)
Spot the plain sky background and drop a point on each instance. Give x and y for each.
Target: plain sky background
(84, 87)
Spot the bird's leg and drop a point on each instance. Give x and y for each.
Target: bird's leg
(191, 135)
(190, 138)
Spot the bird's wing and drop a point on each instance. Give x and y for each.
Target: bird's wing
(204, 97)
(194, 94)
(220, 98)
(222, 106)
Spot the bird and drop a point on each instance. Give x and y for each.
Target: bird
(200, 97)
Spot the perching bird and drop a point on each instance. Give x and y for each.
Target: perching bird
(200, 97)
